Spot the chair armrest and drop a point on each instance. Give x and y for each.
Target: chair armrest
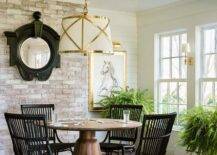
(56, 136)
(130, 146)
(164, 136)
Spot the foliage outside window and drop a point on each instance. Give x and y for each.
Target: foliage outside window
(171, 74)
(208, 67)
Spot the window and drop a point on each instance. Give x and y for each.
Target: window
(208, 66)
(171, 79)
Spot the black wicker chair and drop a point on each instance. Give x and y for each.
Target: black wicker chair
(47, 110)
(155, 134)
(28, 138)
(127, 137)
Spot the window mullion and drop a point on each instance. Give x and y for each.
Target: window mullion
(178, 101)
(213, 91)
(158, 95)
(200, 91)
(173, 80)
(171, 71)
(168, 92)
(160, 55)
(215, 52)
(202, 66)
(180, 57)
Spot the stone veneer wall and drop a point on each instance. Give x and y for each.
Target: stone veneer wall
(67, 86)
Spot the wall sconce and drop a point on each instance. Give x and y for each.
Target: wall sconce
(117, 46)
(187, 54)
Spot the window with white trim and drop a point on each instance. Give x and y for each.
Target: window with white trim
(208, 67)
(171, 93)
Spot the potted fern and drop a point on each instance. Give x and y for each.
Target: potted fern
(129, 96)
(199, 133)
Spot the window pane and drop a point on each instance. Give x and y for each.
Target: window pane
(183, 41)
(175, 45)
(163, 93)
(172, 108)
(182, 93)
(209, 65)
(209, 41)
(173, 98)
(163, 108)
(215, 97)
(175, 68)
(165, 47)
(182, 111)
(183, 68)
(184, 38)
(165, 69)
(207, 92)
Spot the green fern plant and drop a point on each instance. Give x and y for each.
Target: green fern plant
(131, 96)
(199, 134)
(212, 134)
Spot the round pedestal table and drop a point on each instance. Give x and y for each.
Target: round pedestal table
(87, 143)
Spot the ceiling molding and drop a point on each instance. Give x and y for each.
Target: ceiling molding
(122, 5)
(168, 6)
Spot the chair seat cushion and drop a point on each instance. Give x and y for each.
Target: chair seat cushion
(111, 146)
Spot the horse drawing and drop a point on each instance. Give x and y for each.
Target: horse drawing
(108, 82)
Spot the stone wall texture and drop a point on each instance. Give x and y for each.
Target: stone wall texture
(67, 86)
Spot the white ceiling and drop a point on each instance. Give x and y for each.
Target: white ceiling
(128, 5)
(124, 5)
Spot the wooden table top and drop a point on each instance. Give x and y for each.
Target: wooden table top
(93, 124)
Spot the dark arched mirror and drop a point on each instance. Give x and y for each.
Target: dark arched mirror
(34, 49)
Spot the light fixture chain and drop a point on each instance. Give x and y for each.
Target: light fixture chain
(85, 10)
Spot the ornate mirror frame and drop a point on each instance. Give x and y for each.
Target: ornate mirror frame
(34, 30)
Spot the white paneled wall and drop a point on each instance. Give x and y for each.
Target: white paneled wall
(124, 29)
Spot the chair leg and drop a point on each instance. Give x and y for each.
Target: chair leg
(71, 150)
(122, 150)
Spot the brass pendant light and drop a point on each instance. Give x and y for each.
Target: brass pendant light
(83, 33)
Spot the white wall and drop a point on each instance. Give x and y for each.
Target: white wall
(124, 29)
(185, 14)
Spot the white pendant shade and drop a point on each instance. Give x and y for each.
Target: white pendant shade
(84, 33)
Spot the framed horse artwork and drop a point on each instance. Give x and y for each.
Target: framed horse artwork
(107, 72)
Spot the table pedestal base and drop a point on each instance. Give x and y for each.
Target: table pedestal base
(87, 144)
